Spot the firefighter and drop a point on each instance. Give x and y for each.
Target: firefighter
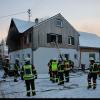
(60, 72)
(29, 77)
(50, 71)
(99, 69)
(93, 70)
(66, 69)
(6, 66)
(16, 69)
(71, 64)
(54, 70)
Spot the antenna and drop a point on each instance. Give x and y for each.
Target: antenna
(29, 13)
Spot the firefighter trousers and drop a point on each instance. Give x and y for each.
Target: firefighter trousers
(30, 83)
(93, 77)
(61, 78)
(54, 76)
(66, 74)
(16, 75)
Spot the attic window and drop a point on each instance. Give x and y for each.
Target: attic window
(54, 37)
(59, 23)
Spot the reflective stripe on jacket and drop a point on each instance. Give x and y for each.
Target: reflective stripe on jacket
(94, 68)
(66, 65)
(28, 72)
(54, 66)
(60, 68)
(16, 67)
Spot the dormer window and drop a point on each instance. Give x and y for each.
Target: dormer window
(59, 23)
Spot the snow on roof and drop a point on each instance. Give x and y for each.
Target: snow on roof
(22, 25)
(89, 40)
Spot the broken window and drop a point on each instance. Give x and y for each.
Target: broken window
(54, 37)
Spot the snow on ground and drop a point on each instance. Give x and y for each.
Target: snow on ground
(76, 88)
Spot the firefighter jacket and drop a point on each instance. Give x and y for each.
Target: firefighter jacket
(28, 72)
(60, 67)
(99, 68)
(93, 68)
(16, 67)
(54, 66)
(66, 65)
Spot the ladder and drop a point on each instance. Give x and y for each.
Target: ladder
(57, 47)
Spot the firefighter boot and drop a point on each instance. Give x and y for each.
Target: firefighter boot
(15, 80)
(28, 94)
(94, 87)
(33, 93)
(89, 86)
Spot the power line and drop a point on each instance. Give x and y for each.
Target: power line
(12, 14)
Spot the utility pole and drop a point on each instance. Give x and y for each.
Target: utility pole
(29, 13)
(32, 46)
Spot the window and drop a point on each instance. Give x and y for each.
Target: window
(59, 38)
(71, 40)
(54, 37)
(25, 39)
(66, 56)
(28, 55)
(75, 56)
(59, 23)
(23, 56)
(30, 38)
(18, 56)
(92, 55)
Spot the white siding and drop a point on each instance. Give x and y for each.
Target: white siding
(43, 55)
(85, 58)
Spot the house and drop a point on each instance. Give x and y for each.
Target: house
(89, 47)
(35, 39)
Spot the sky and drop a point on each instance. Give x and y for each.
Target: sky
(83, 15)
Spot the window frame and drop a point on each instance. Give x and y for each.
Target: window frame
(60, 21)
(71, 40)
(58, 38)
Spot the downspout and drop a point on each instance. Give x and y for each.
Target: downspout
(99, 55)
(80, 58)
(32, 46)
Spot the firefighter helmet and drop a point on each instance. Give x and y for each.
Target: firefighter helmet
(17, 59)
(91, 58)
(27, 59)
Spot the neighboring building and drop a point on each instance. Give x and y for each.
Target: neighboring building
(55, 28)
(3, 51)
(89, 47)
